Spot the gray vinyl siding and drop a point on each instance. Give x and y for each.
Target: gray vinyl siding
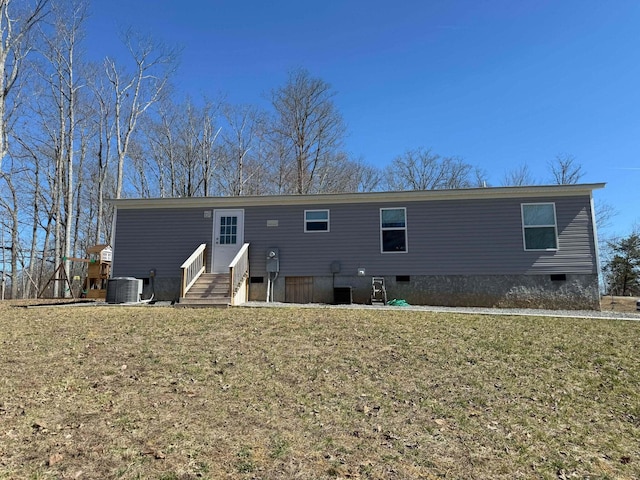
(160, 239)
(478, 237)
(444, 237)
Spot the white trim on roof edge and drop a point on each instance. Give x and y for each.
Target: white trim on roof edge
(365, 197)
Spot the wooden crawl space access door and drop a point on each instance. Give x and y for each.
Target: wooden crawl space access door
(298, 289)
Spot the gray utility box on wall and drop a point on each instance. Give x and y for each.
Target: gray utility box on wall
(273, 260)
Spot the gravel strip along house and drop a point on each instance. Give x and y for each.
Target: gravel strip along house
(533, 246)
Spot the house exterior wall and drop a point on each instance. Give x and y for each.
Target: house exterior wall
(460, 237)
(472, 246)
(159, 240)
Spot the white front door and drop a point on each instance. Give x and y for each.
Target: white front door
(228, 237)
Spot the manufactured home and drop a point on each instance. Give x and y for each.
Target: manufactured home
(533, 246)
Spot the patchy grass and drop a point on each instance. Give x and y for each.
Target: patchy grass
(151, 392)
(618, 304)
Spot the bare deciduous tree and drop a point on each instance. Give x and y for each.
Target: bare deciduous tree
(11, 206)
(196, 138)
(17, 20)
(104, 128)
(62, 80)
(207, 146)
(604, 213)
(421, 169)
(565, 170)
(176, 148)
(32, 188)
(368, 178)
(308, 125)
(518, 177)
(161, 146)
(135, 92)
(239, 141)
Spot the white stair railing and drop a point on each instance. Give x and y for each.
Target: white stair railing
(238, 276)
(192, 268)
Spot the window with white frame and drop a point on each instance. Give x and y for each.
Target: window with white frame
(316, 221)
(393, 230)
(539, 228)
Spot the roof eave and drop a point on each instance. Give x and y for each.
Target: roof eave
(366, 197)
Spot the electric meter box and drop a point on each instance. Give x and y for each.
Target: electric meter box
(273, 260)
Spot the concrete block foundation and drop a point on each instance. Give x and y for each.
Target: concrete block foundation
(568, 292)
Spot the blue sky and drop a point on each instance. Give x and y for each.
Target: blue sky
(499, 83)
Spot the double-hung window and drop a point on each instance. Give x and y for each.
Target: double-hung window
(316, 221)
(393, 230)
(539, 228)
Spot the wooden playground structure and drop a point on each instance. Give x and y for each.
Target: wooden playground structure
(98, 272)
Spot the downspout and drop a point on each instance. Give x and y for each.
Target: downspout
(595, 241)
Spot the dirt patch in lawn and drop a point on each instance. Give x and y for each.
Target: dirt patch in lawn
(153, 392)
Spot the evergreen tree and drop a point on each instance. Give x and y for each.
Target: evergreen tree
(623, 269)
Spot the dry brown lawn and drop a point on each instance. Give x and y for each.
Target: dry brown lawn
(618, 304)
(162, 393)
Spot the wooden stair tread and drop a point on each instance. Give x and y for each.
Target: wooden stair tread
(210, 290)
